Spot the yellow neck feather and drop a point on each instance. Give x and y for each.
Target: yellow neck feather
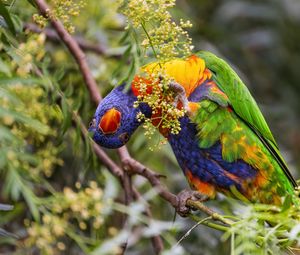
(189, 73)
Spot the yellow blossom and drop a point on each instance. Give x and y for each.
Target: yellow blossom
(61, 246)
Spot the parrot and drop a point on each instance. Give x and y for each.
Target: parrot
(224, 144)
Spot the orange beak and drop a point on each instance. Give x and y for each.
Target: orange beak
(110, 121)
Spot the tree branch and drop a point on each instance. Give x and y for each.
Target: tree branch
(215, 216)
(83, 44)
(154, 179)
(91, 84)
(75, 50)
(123, 153)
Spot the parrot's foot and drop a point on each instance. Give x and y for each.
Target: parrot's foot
(180, 95)
(183, 209)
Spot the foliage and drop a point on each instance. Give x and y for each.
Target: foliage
(62, 10)
(64, 201)
(264, 229)
(62, 214)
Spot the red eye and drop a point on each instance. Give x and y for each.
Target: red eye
(110, 121)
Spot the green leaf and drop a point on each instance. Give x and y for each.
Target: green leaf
(287, 203)
(59, 74)
(18, 80)
(123, 61)
(125, 37)
(13, 213)
(130, 75)
(15, 186)
(5, 14)
(17, 23)
(26, 120)
(5, 134)
(5, 93)
(4, 68)
(66, 115)
(31, 200)
(32, 2)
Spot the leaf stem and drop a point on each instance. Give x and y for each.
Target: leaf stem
(150, 40)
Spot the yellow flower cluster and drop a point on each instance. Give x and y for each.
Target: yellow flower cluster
(168, 41)
(63, 10)
(154, 90)
(32, 104)
(84, 205)
(83, 208)
(46, 236)
(27, 53)
(161, 34)
(39, 20)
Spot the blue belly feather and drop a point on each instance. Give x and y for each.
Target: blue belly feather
(207, 164)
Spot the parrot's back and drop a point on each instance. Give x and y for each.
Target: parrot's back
(226, 145)
(219, 152)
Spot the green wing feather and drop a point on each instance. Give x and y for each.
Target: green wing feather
(243, 104)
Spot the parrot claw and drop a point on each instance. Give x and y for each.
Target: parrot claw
(180, 95)
(182, 208)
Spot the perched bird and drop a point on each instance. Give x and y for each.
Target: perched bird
(224, 144)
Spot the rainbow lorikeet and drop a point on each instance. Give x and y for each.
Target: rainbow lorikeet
(224, 144)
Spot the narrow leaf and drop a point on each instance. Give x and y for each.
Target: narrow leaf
(5, 14)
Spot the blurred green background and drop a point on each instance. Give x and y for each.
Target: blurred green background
(41, 161)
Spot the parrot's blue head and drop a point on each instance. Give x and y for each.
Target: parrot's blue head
(115, 118)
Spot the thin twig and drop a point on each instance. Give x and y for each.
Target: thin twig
(123, 154)
(127, 186)
(210, 224)
(156, 240)
(137, 168)
(191, 229)
(215, 216)
(154, 178)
